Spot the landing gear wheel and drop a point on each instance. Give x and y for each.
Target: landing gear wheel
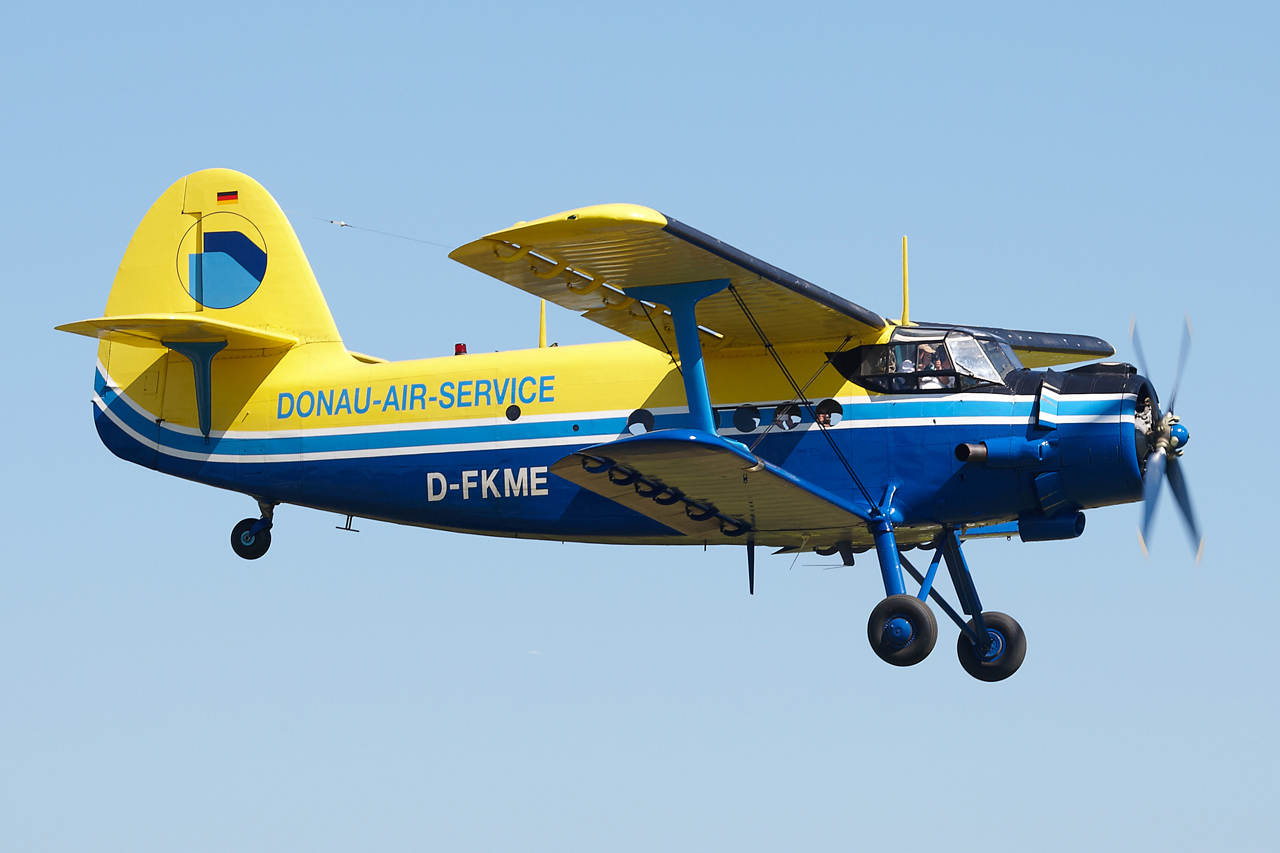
(1008, 648)
(902, 630)
(250, 547)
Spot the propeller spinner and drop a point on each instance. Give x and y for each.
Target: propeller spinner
(1165, 439)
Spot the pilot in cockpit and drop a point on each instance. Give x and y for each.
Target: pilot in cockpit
(941, 364)
(933, 359)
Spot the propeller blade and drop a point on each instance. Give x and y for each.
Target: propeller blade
(1183, 496)
(1151, 484)
(1137, 346)
(1182, 361)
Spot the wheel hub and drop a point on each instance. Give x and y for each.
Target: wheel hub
(898, 631)
(996, 649)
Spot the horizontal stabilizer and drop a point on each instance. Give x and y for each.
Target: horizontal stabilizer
(157, 329)
(709, 488)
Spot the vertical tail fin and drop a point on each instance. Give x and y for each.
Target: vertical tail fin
(214, 270)
(216, 244)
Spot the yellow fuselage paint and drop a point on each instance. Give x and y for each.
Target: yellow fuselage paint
(319, 386)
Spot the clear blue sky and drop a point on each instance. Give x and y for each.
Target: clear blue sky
(1057, 167)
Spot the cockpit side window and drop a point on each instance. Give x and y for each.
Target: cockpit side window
(955, 363)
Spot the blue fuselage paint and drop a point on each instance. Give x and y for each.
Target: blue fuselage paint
(492, 477)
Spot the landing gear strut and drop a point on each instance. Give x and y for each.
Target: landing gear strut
(251, 537)
(902, 629)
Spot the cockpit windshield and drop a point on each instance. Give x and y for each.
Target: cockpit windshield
(955, 362)
(1002, 357)
(970, 358)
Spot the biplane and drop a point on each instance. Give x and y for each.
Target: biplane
(747, 407)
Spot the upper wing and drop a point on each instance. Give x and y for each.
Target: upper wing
(1034, 349)
(1046, 349)
(584, 259)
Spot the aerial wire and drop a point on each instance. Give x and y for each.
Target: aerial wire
(342, 224)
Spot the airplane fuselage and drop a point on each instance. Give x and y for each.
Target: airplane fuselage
(747, 406)
(466, 443)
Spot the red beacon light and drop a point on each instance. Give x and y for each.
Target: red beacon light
(459, 349)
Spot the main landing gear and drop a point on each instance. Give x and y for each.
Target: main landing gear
(251, 537)
(1003, 655)
(902, 629)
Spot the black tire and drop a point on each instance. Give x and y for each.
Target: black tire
(923, 634)
(1005, 655)
(246, 546)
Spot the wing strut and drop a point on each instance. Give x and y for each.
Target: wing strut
(683, 299)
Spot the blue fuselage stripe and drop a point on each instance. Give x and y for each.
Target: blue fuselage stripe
(386, 473)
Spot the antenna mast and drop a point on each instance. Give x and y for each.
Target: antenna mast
(906, 299)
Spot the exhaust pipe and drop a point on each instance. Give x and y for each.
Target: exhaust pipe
(1008, 452)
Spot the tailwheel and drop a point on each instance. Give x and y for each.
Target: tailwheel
(1003, 657)
(251, 538)
(902, 630)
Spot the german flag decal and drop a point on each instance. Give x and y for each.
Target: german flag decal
(229, 198)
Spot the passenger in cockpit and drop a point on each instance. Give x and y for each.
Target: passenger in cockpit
(928, 364)
(942, 363)
(905, 365)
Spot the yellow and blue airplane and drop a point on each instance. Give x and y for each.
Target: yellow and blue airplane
(749, 407)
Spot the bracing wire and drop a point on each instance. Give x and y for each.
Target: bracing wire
(649, 316)
(804, 391)
(800, 395)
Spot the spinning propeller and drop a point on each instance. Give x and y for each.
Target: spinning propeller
(1165, 439)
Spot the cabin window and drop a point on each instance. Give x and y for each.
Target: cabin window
(787, 418)
(829, 412)
(640, 422)
(746, 419)
(955, 362)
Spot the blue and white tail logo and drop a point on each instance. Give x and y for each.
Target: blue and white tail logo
(222, 260)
